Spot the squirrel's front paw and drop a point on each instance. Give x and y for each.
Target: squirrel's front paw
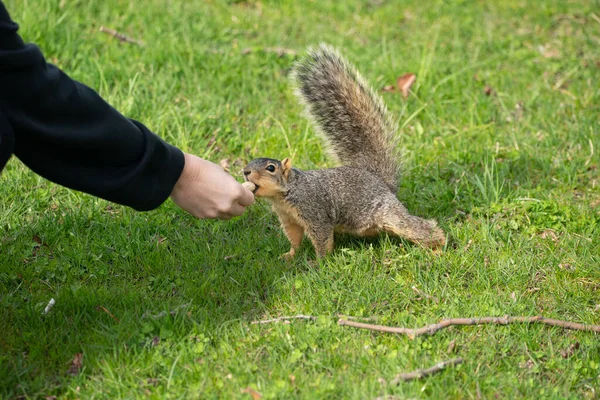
(289, 256)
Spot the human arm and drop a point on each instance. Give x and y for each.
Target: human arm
(65, 132)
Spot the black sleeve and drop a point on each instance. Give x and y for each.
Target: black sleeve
(66, 133)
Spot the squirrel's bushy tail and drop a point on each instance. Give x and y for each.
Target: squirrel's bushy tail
(352, 118)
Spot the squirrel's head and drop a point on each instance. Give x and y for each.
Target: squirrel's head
(270, 176)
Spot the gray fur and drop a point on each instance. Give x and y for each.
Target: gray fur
(353, 120)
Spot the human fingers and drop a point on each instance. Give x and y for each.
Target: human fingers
(247, 197)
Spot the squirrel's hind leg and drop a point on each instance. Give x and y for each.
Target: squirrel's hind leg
(396, 220)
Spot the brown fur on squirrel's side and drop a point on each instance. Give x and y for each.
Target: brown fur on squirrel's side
(358, 197)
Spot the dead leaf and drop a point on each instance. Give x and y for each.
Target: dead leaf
(488, 91)
(405, 82)
(76, 364)
(568, 352)
(224, 163)
(37, 239)
(253, 393)
(549, 234)
(155, 340)
(388, 88)
(50, 397)
(227, 258)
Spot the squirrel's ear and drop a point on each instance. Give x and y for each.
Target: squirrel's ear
(286, 166)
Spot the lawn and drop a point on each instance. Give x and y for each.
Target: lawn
(501, 142)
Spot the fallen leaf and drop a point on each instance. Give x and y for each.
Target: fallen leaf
(549, 234)
(224, 163)
(37, 239)
(253, 393)
(155, 340)
(405, 82)
(388, 88)
(227, 258)
(76, 364)
(568, 352)
(488, 91)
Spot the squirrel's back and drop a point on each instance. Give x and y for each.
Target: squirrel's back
(352, 118)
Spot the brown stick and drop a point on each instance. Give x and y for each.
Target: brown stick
(120, 36)
(102, 308)
(268, 321)
(350, 317)
(433, 328)
(422, 373)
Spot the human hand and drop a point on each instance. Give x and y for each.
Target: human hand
(205, 190)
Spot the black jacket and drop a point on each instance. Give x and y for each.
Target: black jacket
(65, 132)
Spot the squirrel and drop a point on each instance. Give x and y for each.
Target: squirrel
(358, 197)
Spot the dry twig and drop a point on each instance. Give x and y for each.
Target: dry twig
(422, 373)
(433, 328)
(120, 36)
(102, 308)
(268, 321)
(350, 317)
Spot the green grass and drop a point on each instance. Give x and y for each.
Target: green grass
(512, 177)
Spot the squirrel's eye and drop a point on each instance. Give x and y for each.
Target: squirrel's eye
(270, 168)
